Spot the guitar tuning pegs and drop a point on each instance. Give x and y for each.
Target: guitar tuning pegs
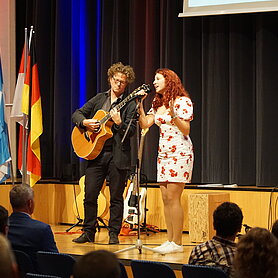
(146, 88)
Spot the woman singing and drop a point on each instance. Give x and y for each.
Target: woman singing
(172, 111)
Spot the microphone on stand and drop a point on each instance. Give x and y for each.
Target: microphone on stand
(146, 88)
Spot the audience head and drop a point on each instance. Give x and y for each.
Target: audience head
(3, 221)
(97, 264)
(8, 266)
(22, 198)
(275, 228)
(256, 255)
(227, 220)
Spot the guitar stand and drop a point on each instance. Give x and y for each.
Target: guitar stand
(143, 226)
(143, 229)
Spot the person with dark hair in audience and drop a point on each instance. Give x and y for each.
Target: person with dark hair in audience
(97, 264)
(275, 228)
(3, 221)
(27, 234)
(256, 255)
(8, 265)
(220, 250)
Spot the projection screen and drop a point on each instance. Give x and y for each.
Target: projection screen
(220, 7)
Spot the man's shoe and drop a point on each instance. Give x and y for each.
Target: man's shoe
(85, 237)
(113, 238)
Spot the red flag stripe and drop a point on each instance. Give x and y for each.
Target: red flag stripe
(35, 85)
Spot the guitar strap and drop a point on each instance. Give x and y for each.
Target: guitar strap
(107, 106)
(116, 102)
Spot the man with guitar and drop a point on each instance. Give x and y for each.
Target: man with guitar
(110, 156)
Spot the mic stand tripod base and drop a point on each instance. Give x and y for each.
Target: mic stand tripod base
(139, 246)
(77, 223)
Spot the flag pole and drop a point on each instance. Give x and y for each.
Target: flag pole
(25, 116)
(24, 131)
(9, 144)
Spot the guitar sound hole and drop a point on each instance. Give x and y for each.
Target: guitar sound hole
(96, 130)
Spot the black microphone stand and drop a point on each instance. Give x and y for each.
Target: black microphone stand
(79, 221)
(138, 245)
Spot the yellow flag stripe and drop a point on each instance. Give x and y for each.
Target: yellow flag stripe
(37, 128)
(25, 99)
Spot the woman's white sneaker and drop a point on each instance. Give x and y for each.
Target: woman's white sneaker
(162, 246)
(172, 248)
(177, 248)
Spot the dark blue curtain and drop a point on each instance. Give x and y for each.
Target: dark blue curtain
(227, 63)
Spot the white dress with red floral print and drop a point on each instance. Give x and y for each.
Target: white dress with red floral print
(175, 152)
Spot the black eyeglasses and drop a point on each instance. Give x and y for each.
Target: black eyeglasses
(119, 81)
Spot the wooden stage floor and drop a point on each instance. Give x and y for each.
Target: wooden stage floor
(65, 245)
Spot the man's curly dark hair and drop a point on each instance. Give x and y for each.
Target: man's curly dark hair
(120, 67)
(227, 219)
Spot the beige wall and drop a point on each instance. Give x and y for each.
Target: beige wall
(7, 49)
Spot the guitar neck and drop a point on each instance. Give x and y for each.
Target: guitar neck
(118, 107)
(130, 97)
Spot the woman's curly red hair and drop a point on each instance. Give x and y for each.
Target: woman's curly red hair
(173, 88)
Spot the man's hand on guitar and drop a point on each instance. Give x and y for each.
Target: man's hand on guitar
(116, 116)
(91, 124)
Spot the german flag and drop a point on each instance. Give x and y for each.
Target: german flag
(23, 103)
(31, 106)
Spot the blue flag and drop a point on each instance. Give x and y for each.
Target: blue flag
(5, 156)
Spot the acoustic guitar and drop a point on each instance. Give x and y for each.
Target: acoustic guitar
(103, 202)
(88, 144)
(130, 213)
